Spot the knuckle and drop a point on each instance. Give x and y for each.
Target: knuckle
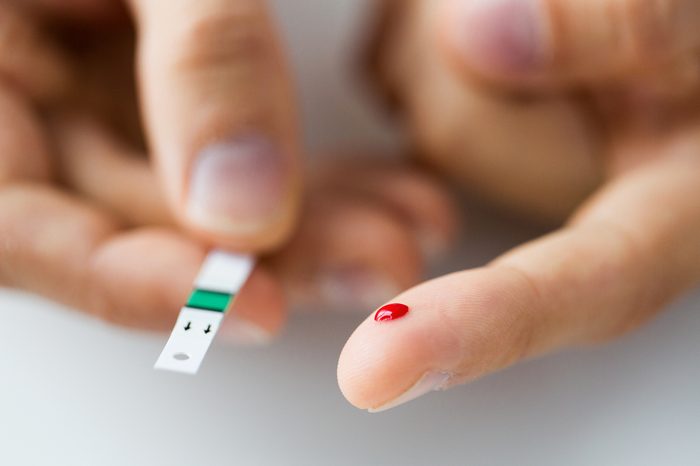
(237, 37)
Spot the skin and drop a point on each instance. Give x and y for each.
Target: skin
(198, 85)
(627, 169)
(82, 202)
(596, 125)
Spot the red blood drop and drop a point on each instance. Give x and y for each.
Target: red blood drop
(391, 312)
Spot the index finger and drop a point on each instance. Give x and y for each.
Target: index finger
(628, 253)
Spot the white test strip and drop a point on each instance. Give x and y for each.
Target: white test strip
(221, 277)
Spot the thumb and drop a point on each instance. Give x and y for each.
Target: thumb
(562, 41)
(617, 264)
(220, 118)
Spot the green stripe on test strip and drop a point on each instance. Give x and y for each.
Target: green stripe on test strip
(209, 300)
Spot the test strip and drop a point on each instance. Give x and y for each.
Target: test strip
(221, 277)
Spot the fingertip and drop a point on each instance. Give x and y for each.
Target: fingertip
(258, 313)
(430, 210)
(348, 255)
(141, 278)
(387, 363)
(421, 202)
(496, 39)
(442, 332)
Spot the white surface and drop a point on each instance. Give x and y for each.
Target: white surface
(78, 393)
(193, 342)
(224, 272)
(633, 402)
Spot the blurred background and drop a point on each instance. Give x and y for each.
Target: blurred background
(76, 392)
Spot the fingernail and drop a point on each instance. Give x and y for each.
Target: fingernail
(355, 288)
(501, 36)
(238, 186)
(241, 332)
(431, 381)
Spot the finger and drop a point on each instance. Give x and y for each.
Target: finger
(220, 117)
(417, 199)
(75, 254)
(348, 254)
(95, 164)
(629, 252)
(538, 157)
(567, 41)
(28, 60)
(23, 146)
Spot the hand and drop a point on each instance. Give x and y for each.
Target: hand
(215, 100)
(83, 220)
(540, 105)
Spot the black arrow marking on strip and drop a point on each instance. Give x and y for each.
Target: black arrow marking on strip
(188, 326)
(208, 329)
